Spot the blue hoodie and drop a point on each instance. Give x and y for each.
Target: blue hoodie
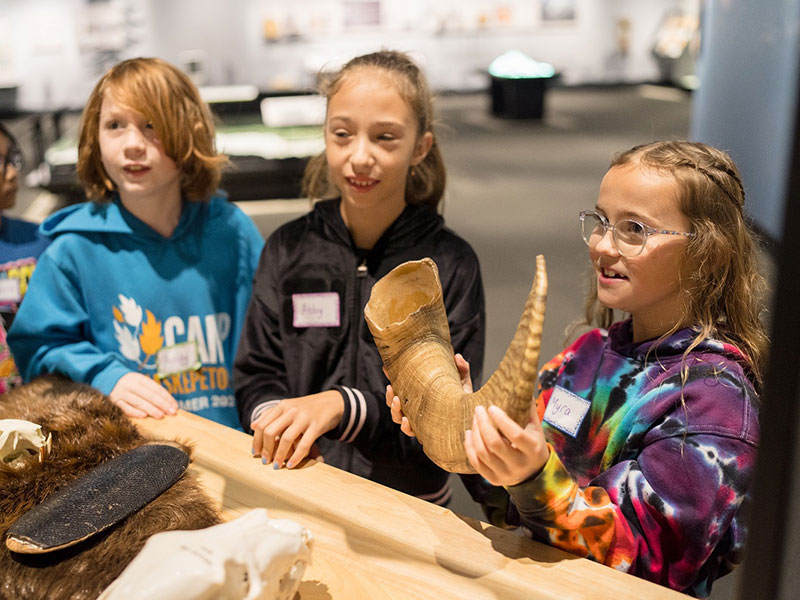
(109, 293)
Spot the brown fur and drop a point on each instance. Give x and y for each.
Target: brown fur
(87, 430)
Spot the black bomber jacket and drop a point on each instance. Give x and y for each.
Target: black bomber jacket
(277, 359)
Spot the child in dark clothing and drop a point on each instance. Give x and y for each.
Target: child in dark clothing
(308, 374)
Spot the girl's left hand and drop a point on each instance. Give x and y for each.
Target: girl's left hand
(287, 432)
(503, 452)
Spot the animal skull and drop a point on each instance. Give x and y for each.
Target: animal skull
(20, 439)
(250, 558)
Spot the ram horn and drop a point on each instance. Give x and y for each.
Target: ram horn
(407, 318)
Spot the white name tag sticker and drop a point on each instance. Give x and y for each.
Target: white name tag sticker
(9, 290)
(566, 410)
(177, 359)
(316, 310)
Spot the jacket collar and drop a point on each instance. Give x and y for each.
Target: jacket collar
(414, 224)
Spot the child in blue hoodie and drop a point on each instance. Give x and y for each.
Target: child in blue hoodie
(143, 290)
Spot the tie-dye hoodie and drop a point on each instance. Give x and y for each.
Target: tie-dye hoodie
(646, 474)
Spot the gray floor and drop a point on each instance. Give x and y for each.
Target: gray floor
(515, 189)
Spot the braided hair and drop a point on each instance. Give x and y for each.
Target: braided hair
(722, 281)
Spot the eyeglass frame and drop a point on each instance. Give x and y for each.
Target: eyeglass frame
(13, 158)
(648, 231)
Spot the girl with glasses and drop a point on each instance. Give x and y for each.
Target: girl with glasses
(641, 449)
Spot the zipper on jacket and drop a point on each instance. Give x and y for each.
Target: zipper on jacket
(357, 317)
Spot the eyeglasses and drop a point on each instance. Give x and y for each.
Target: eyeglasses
(629, 236)
(13, 158)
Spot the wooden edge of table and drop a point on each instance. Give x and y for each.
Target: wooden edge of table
(372, 541)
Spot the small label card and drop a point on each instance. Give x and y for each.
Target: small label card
(566, 410)
(316, 310)
(177, 359)
(9, 291)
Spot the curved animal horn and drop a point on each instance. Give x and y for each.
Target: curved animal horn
(406, 316)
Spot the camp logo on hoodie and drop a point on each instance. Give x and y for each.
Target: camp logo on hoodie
(141, 336)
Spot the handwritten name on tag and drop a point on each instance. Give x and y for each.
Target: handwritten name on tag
(177, 359)
(316, 310)
(566, 410)
(9, 290)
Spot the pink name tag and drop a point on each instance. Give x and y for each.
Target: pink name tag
(566, 410)
(316, 310)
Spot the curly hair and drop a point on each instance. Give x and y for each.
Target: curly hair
(425, 182)
(167, 98)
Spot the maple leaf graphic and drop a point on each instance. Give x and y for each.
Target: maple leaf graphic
(150, 338)
(130, 310)
(128, 345)
(117, 314)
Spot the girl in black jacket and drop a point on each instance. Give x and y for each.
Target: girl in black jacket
(307, 375)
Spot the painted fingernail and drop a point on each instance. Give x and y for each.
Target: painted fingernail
(263, 460)
(288, 465)
(252, 450)
(276, 465)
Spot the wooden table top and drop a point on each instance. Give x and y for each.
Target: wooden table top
(371, 541)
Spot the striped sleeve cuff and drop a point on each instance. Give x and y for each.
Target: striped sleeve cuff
(355, 413)
(260, 408)
(442, 497)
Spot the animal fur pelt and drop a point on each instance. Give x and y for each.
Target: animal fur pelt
(87, 430)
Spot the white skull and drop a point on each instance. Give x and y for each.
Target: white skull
(20, 439)
(252, 557)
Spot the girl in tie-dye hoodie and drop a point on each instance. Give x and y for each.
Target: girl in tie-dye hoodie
(643, 444)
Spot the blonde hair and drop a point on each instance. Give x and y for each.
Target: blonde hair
(167, 98)
(722, 283)
(425, 182)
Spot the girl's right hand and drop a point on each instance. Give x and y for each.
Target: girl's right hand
(286, 434)
(393, 402)
(139, 396)
(501, 451)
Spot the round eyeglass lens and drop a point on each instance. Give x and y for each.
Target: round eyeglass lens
(630, 237)
(592, 228)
